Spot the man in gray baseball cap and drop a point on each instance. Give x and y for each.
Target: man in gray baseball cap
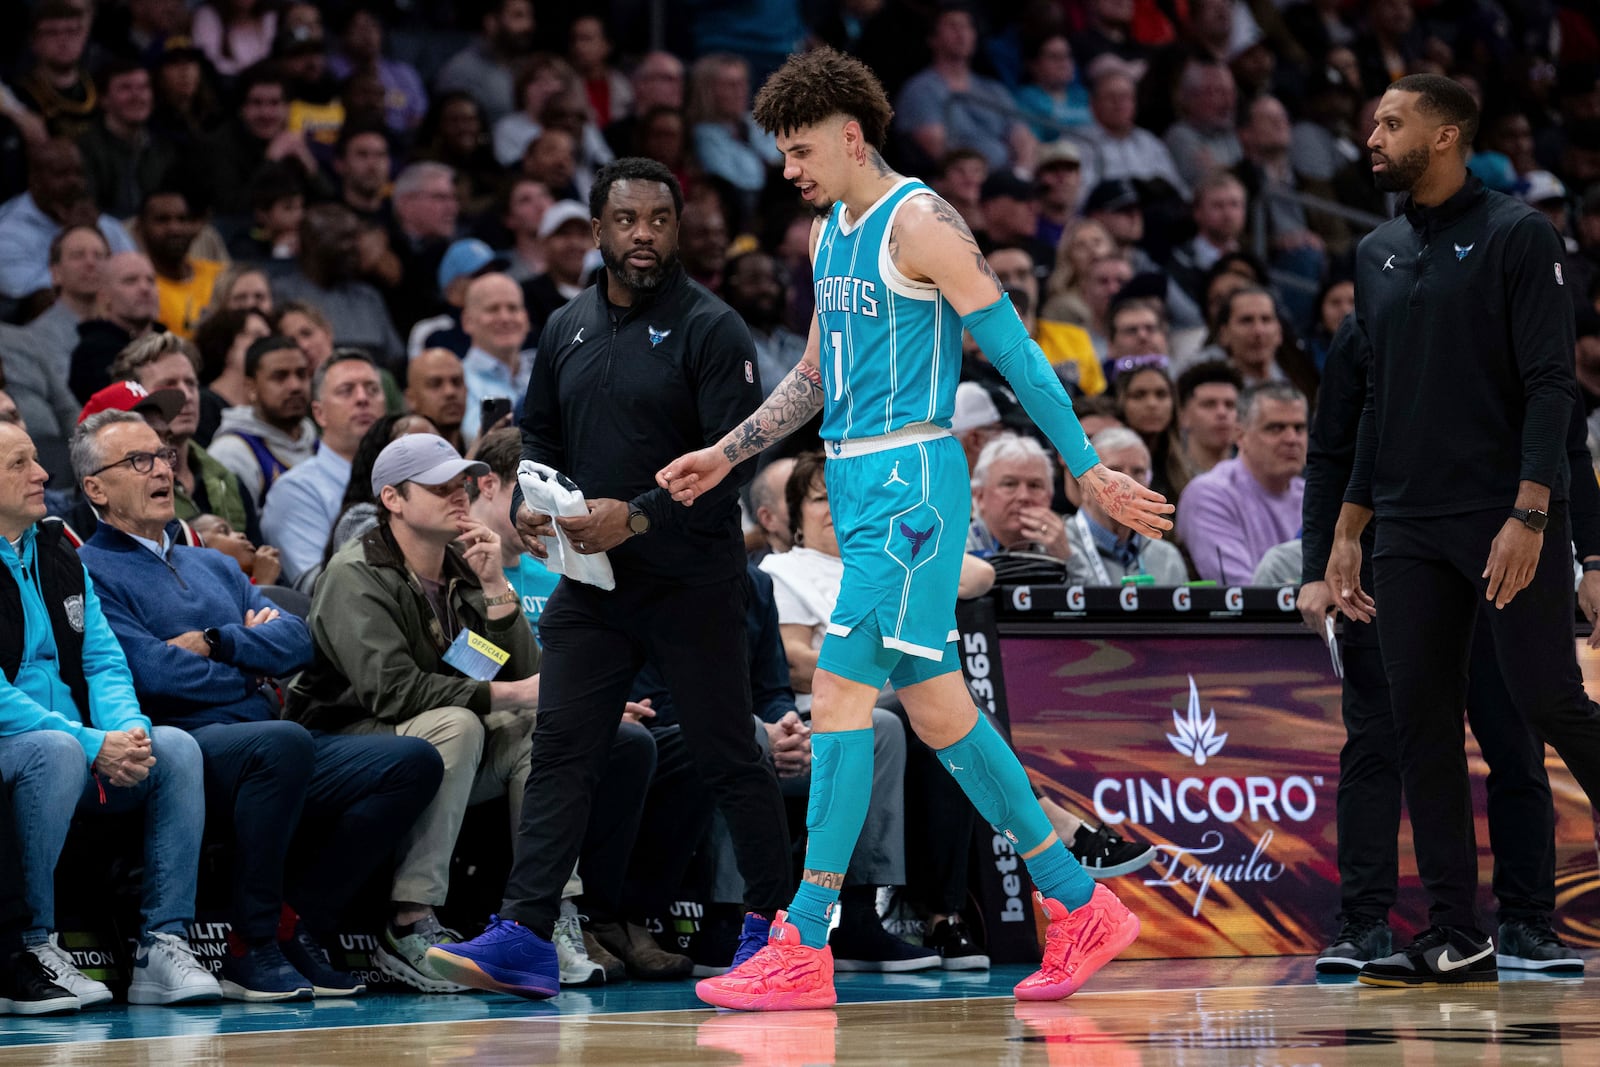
(423, 458)
(418, 633)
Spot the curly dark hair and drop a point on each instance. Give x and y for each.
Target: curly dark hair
(819, 84)
(631, 168)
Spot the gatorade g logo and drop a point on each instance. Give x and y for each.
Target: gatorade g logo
(1129, 598)
(1075, 598)
(914, 536)
(1022, 598)
(1233, 600)
(1181, 598)
(1286, 598)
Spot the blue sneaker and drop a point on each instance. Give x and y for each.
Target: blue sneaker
(311, 960)
(506, 958)
(753, 938)
(260, 973)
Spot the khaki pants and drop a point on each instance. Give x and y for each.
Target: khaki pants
(484, 757)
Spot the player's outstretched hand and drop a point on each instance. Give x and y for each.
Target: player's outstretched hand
(1130, 502)
(688, 476)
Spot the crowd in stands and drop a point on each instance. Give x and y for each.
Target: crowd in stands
(273, 279)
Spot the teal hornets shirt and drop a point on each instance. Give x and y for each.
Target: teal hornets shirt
(891, 347)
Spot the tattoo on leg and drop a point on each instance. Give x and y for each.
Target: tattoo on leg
(791, 405)
(825, 879)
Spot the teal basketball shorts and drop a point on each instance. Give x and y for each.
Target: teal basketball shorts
(900, 515)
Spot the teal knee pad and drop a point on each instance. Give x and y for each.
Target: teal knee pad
(989, 773)
(841, 786)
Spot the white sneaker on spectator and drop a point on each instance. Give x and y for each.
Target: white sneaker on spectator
(577, 969)
(58, 961)
(166, 972)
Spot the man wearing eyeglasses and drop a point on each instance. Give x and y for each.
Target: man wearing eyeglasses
(418, 634)
(204, 647)
(74, 740)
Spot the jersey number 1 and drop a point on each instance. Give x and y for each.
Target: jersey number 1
(836, 338)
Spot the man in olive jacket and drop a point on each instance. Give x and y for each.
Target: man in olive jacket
(391, 622)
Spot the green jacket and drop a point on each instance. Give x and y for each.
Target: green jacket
(223, 494)
(374, 657)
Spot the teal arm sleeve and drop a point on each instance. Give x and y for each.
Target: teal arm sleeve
(1003, 338)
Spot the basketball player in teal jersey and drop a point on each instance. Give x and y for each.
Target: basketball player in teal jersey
(898, 276)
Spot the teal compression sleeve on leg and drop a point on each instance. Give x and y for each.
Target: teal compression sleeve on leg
(1003, 338)
(841, 786)
(992, 777)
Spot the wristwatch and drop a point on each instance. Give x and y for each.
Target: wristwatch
(1532, 518)
(501, 599)
(638, 521)
(1591, 565)
(213, 638)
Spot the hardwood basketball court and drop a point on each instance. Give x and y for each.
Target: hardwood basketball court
(1143, 1013)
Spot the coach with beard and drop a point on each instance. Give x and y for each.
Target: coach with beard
(636, 370)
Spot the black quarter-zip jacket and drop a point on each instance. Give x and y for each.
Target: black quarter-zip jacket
(1466, 310)
(617, 393)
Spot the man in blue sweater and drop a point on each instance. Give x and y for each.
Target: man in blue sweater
(204, 647)
(72, 740)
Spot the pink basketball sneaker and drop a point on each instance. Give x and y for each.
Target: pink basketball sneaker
(784, 976)
(1078, 943)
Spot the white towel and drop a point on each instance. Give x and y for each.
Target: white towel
(550, 491)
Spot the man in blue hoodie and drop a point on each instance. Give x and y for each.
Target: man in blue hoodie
(72, 740)
(204, 647)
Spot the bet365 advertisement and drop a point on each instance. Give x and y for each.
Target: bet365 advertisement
(1224, 753)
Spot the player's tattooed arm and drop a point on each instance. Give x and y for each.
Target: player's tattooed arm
(791, 405)
(930, 238)
(825, 879)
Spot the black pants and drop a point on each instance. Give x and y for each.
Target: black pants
(14, 914)
(1428, 585)
(1521, 818)
(613, 827)
(676, 818)
(594, 644)
(939, 825)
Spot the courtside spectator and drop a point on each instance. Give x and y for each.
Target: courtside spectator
(72, 739)
(1067, 347)
(1053, 97)
(264, 439)
(1103, 550)
(756, 288)
(526, 201)
(976, 420)
(235, 34)
(204, 647)
(1229, 516)
(426, 213)
(232, 154)
(386, 611)
(1204, 138)
(769, 507)
(1011, 491)
(259, 563)
(163, 361)
(1145, 403)
(346, 398)
(657, 83)
(1060, 180)
(405, 100)
(1219, 220)
(1117, 147)
(463, 261)
(25, 986)
(224, 337)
